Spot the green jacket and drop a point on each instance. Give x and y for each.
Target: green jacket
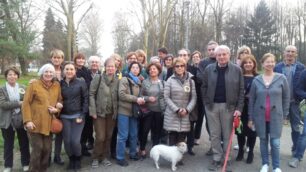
(97, 96)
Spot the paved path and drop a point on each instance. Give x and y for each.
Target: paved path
(197, 163)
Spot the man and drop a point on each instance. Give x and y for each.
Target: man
(298, 154)
(87, 139)
(200, 73)
(292, 69)
(223, 96)
(162, 53)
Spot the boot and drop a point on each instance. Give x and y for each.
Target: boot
(240, 154)
(58, 160)
(71, 163)
(77, 162)
(250, 157)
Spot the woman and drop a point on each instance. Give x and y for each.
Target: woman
(75, 107)
(180, 98)
(103, 104)
(196, 57)
(268, 105)
(84, 72)
(118, 63)
(249, 70)
(141, 57)
(241, 53)
(129, 89)
(11, 96)
(153, 93)
(41, 100)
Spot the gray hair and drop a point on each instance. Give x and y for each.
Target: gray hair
(94, 58)
(152, 59)
(45, 67)
(223, 47)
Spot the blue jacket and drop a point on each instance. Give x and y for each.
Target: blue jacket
(300, 90)
(279, 68)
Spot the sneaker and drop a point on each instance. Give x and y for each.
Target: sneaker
(264, 168)
(25, 168)
(106, 162)
(7, 170)
(122, 163)
(214, 166)
(210, 152)
(236, 147)
(294, 163)
(95, 163)
(277, 170)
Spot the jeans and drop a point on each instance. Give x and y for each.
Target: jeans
(264, 149)
(72, 135)
(127, 128)
(295, 119)
(301, 144)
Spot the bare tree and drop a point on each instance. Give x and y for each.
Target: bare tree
(91, 32)
(69, 8)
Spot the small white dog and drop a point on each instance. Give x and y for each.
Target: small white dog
(170, 153)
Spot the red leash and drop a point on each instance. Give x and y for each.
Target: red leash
(236, 124)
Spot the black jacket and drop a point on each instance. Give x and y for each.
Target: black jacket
(201, 68)
(75, 97)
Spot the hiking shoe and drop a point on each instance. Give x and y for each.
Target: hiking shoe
(294, 163)
(122, 163)
(106, 162)
(214, 166)
(95, 163)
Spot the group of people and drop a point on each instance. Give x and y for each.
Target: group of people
(167, 96)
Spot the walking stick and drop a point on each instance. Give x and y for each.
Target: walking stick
(236, 124)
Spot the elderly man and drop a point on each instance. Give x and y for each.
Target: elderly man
(87, 139)
(200, 73)
(292, 69)
(223, 94)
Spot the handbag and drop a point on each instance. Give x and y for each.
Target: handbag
(56, 125)
(136, 111)
(17, 119)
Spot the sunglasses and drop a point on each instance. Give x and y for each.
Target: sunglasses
(178, 66)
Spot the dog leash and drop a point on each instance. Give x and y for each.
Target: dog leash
(236, 124)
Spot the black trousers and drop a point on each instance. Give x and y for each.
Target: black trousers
(176, 137)
(87, 133)
(154, 122)
(8, 137)
(199, 122)
(190, 136)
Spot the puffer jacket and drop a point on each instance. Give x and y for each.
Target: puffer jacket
(125, 97)
(177, 95)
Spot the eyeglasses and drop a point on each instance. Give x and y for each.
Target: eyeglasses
(183, 55)
(179, 66)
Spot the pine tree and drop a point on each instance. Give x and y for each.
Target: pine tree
(260, 31)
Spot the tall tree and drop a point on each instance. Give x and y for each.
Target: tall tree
(260, 32)
(69, 8)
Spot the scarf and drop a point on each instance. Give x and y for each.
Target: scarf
(13, 93)
(134, 78)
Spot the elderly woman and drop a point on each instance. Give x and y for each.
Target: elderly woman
(180, 97)
(75, 107)
(241, 53)
(268, 105)
(41, 100)
(153, 93)
(249, 71)
(129, 93)
(163, 74)
(11, 96)
(103, 104)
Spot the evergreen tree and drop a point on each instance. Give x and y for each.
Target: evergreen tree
(53, 35)
(260, 32)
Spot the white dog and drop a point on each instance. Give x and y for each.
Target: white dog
(170, 153)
